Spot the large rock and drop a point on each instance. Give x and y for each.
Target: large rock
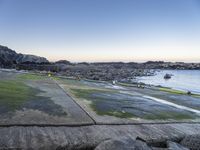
(175, 146)
(192, 142)
(66, 62)
(124, 143)
(31, 59)
(9, 57)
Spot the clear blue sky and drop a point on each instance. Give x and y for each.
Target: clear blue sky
(103, 30)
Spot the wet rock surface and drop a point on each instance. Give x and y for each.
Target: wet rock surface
(33, 100)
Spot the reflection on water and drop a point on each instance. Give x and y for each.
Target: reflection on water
(186, 80)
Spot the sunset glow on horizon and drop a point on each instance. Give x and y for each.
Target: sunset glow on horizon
(103, 30)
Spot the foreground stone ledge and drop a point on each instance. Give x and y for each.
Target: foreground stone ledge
(89, 137)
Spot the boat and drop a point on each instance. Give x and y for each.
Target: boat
(167, 76)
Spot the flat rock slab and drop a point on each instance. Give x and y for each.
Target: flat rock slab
(88, 137)
(113, 104)
(46, 104)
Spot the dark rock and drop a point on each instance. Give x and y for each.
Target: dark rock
(122, 144)
(31, 59)
(167, 76)
(63, 62)
(9, 58)
(160, 143)
(192, 142)
(189, 93)
(175, 146)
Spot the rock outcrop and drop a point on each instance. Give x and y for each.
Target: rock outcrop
(9, 58)
(65, 62)
(191, 141)
(23, 58)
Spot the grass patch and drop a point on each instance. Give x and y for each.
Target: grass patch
(173, 91)
(17, 95)
(56, 78)
(71, 82)
(14, 93)
(169, 90)
(106, 106)
(32, 77)
(85, 94)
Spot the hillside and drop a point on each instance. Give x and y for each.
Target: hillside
(9, 58)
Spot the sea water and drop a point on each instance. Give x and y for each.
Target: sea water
(185, 80)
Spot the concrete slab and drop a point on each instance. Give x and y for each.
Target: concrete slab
(113, 104)
(38, 101)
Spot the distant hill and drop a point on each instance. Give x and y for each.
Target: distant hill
(9, 58)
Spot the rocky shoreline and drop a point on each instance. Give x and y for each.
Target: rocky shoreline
(141, 136)
(105, 71)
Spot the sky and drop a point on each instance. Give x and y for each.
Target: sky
(103, 30)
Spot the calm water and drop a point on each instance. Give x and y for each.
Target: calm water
(186, 80)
